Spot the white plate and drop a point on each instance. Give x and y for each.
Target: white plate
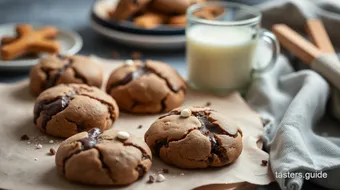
(133, 39)
(144, 41)
(70, 42)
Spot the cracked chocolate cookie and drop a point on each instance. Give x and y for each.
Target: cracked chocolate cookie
(67, 109)
(126, 8)
(57, 69)
(146, 87)
(195, 137)
(103, 158)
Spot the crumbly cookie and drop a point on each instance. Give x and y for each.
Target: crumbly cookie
(146, 87)
(67, 109)
(127, 8)
(178, 21)
(102, 158)
(150, 20)
(57, 69)
(195, 137)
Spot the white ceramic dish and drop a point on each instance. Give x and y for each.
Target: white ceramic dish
(121, 32)
(70, 41)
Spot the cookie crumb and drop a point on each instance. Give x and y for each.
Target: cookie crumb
(35, 159)
(28, 142)
(24, 137)
(123, 135)
(136, 55)
(151, 179)
(52, 151)
(140, 126)
(115, 55)
(181, 174)
(51, 142)
(165, 170)
(208, 104)
(160, 178)
(129, 62)
(186, 112)
(264, 163)
(38, 146)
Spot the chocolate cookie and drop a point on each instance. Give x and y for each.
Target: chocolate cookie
(103, 158)
(150, 20)
(126, 8)
(174, 6)
(146, 87)
(57, 69)
(195, 137)
(65, 110)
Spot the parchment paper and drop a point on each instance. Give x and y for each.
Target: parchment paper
(22, 166)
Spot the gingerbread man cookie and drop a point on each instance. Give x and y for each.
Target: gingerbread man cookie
(29, 41)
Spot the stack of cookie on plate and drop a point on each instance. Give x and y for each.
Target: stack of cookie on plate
(153, 13)
(71, 105)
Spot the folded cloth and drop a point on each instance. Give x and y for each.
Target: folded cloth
(293, 102)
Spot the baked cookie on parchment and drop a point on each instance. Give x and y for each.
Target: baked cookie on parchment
(195, 137)
(65, 110)
(57, 69)
(103, 158)
(146, 87)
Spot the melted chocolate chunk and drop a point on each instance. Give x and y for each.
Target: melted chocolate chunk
(91, 140)
(209, 129)
(52, 80)
(141, 171)
(159, 145)
(51, 108)
(143, 70)
(88, 143)
(151, 179)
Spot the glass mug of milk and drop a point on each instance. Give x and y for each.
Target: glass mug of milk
(221, 51)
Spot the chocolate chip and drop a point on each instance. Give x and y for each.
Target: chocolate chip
(165, 170)
(52, 80)
(264, 163)
(24, 138)
(140, 126)
(159, 145)
(141, 171)
(143, 70)
(91, 140)
(151, 179)
(208, 104)
(52, 151)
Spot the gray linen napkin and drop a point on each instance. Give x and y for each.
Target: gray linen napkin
(293, 102)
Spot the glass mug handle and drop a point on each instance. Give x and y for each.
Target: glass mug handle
(269, 38)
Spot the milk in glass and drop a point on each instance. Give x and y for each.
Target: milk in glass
(220, 57)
